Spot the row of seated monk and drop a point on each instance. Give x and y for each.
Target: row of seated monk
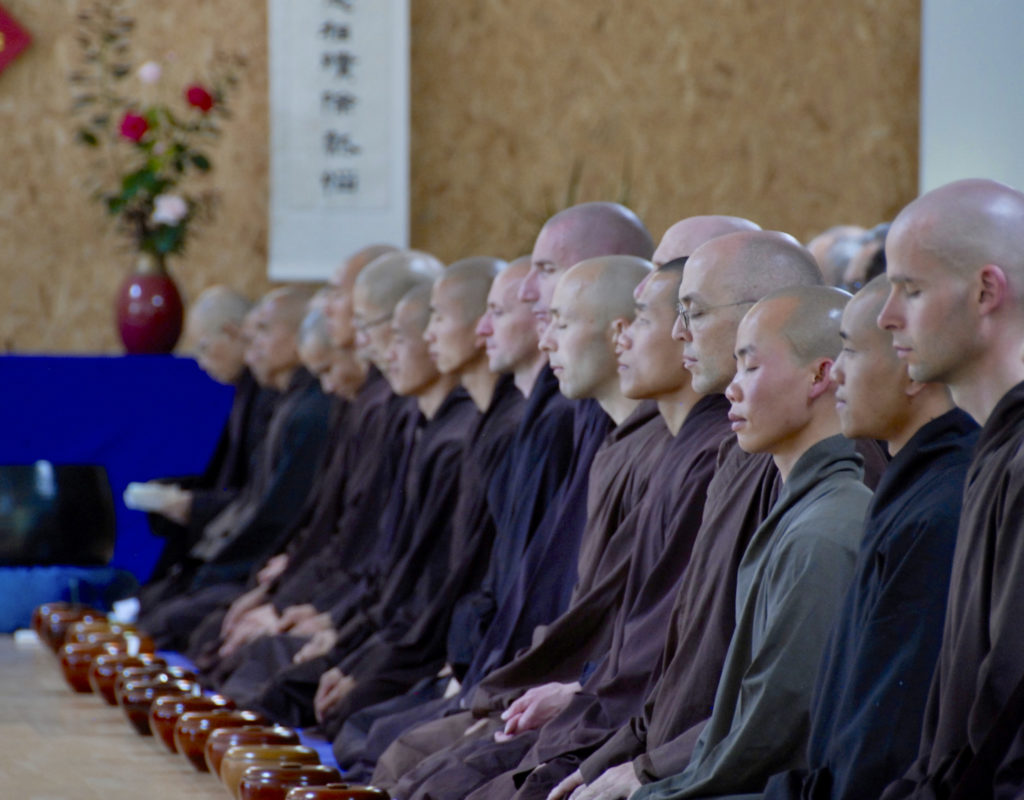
(625, 520)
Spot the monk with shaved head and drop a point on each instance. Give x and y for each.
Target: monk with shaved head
(956, 312)
(411, 645)
(591, 305)
(685, 236)
(414, 532)
(250, 528)
(799, 562)
(868, 704)
(214, 330)
(722, 279)
(548, 474)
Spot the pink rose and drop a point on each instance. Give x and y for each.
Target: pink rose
(133, 126)
(200, 98)
(168, 209)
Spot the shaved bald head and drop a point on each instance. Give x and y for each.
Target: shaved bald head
(604, 286)
(834, 248)
(218, 306)
(722, 279)
(409, 368)
(809, 319)
(470, 279)
(344, 277)
(273, 352)
(588, 230)
(783, 395)
(756, 263)
(215, 332)
(955, 262)
(378, 289)
(583, 231)
(339, 293)
(966, 225)
(685, 236)
(388, 278)
(313, 330)
(457, 301)
(592, 303)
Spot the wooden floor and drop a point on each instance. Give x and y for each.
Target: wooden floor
(57, 745)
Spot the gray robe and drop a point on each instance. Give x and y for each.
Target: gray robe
(790, 586)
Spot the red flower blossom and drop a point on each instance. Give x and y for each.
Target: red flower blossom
(199, 97)
(133, 126)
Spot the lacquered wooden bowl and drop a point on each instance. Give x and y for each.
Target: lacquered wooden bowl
(131, 675)
(220, 741)
(238, 759)
(106, 668)
(273, 783)
(138, 697)
(194, 728)
(76, 659)
(165, 711)
(338, 791)
(56, 623)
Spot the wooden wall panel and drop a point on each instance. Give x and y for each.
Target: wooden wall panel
(795, 114)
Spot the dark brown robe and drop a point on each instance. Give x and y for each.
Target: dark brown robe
(662, 528)
(250, 527)
(982, 657)
(415, 536)
(226, 472)
(313, 529)
(391, 661)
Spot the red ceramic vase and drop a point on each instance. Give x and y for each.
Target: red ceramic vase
(149, 309)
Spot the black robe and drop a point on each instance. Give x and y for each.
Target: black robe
(414, 539)
(523, 487)
(981, 660)
(390, 661)
(523, 495)
(250, 528)
(225, 474)
(869, 698)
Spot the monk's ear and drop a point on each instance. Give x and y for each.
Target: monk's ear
(821, 377)
(992, 288)
(618, 325)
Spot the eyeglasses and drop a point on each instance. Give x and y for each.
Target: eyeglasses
(363, 327)
(689, 316)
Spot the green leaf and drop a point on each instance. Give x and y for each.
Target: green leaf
(168, 238)
(87, 137)
(201, 162)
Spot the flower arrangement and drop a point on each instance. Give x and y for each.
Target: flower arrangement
(146, 152)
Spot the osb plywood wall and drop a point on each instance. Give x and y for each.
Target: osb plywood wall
(798, 115)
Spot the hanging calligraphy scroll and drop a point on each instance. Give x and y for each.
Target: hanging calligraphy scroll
(339, 100)
(13, 39)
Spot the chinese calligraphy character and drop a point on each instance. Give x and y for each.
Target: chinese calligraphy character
(341, 102)
(334, 31)
(339, 181)
(335, 143)
(342, 61)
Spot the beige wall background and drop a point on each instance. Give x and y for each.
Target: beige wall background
(798, 115)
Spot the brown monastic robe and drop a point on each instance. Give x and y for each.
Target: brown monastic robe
(982, 657)
(664, 524)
